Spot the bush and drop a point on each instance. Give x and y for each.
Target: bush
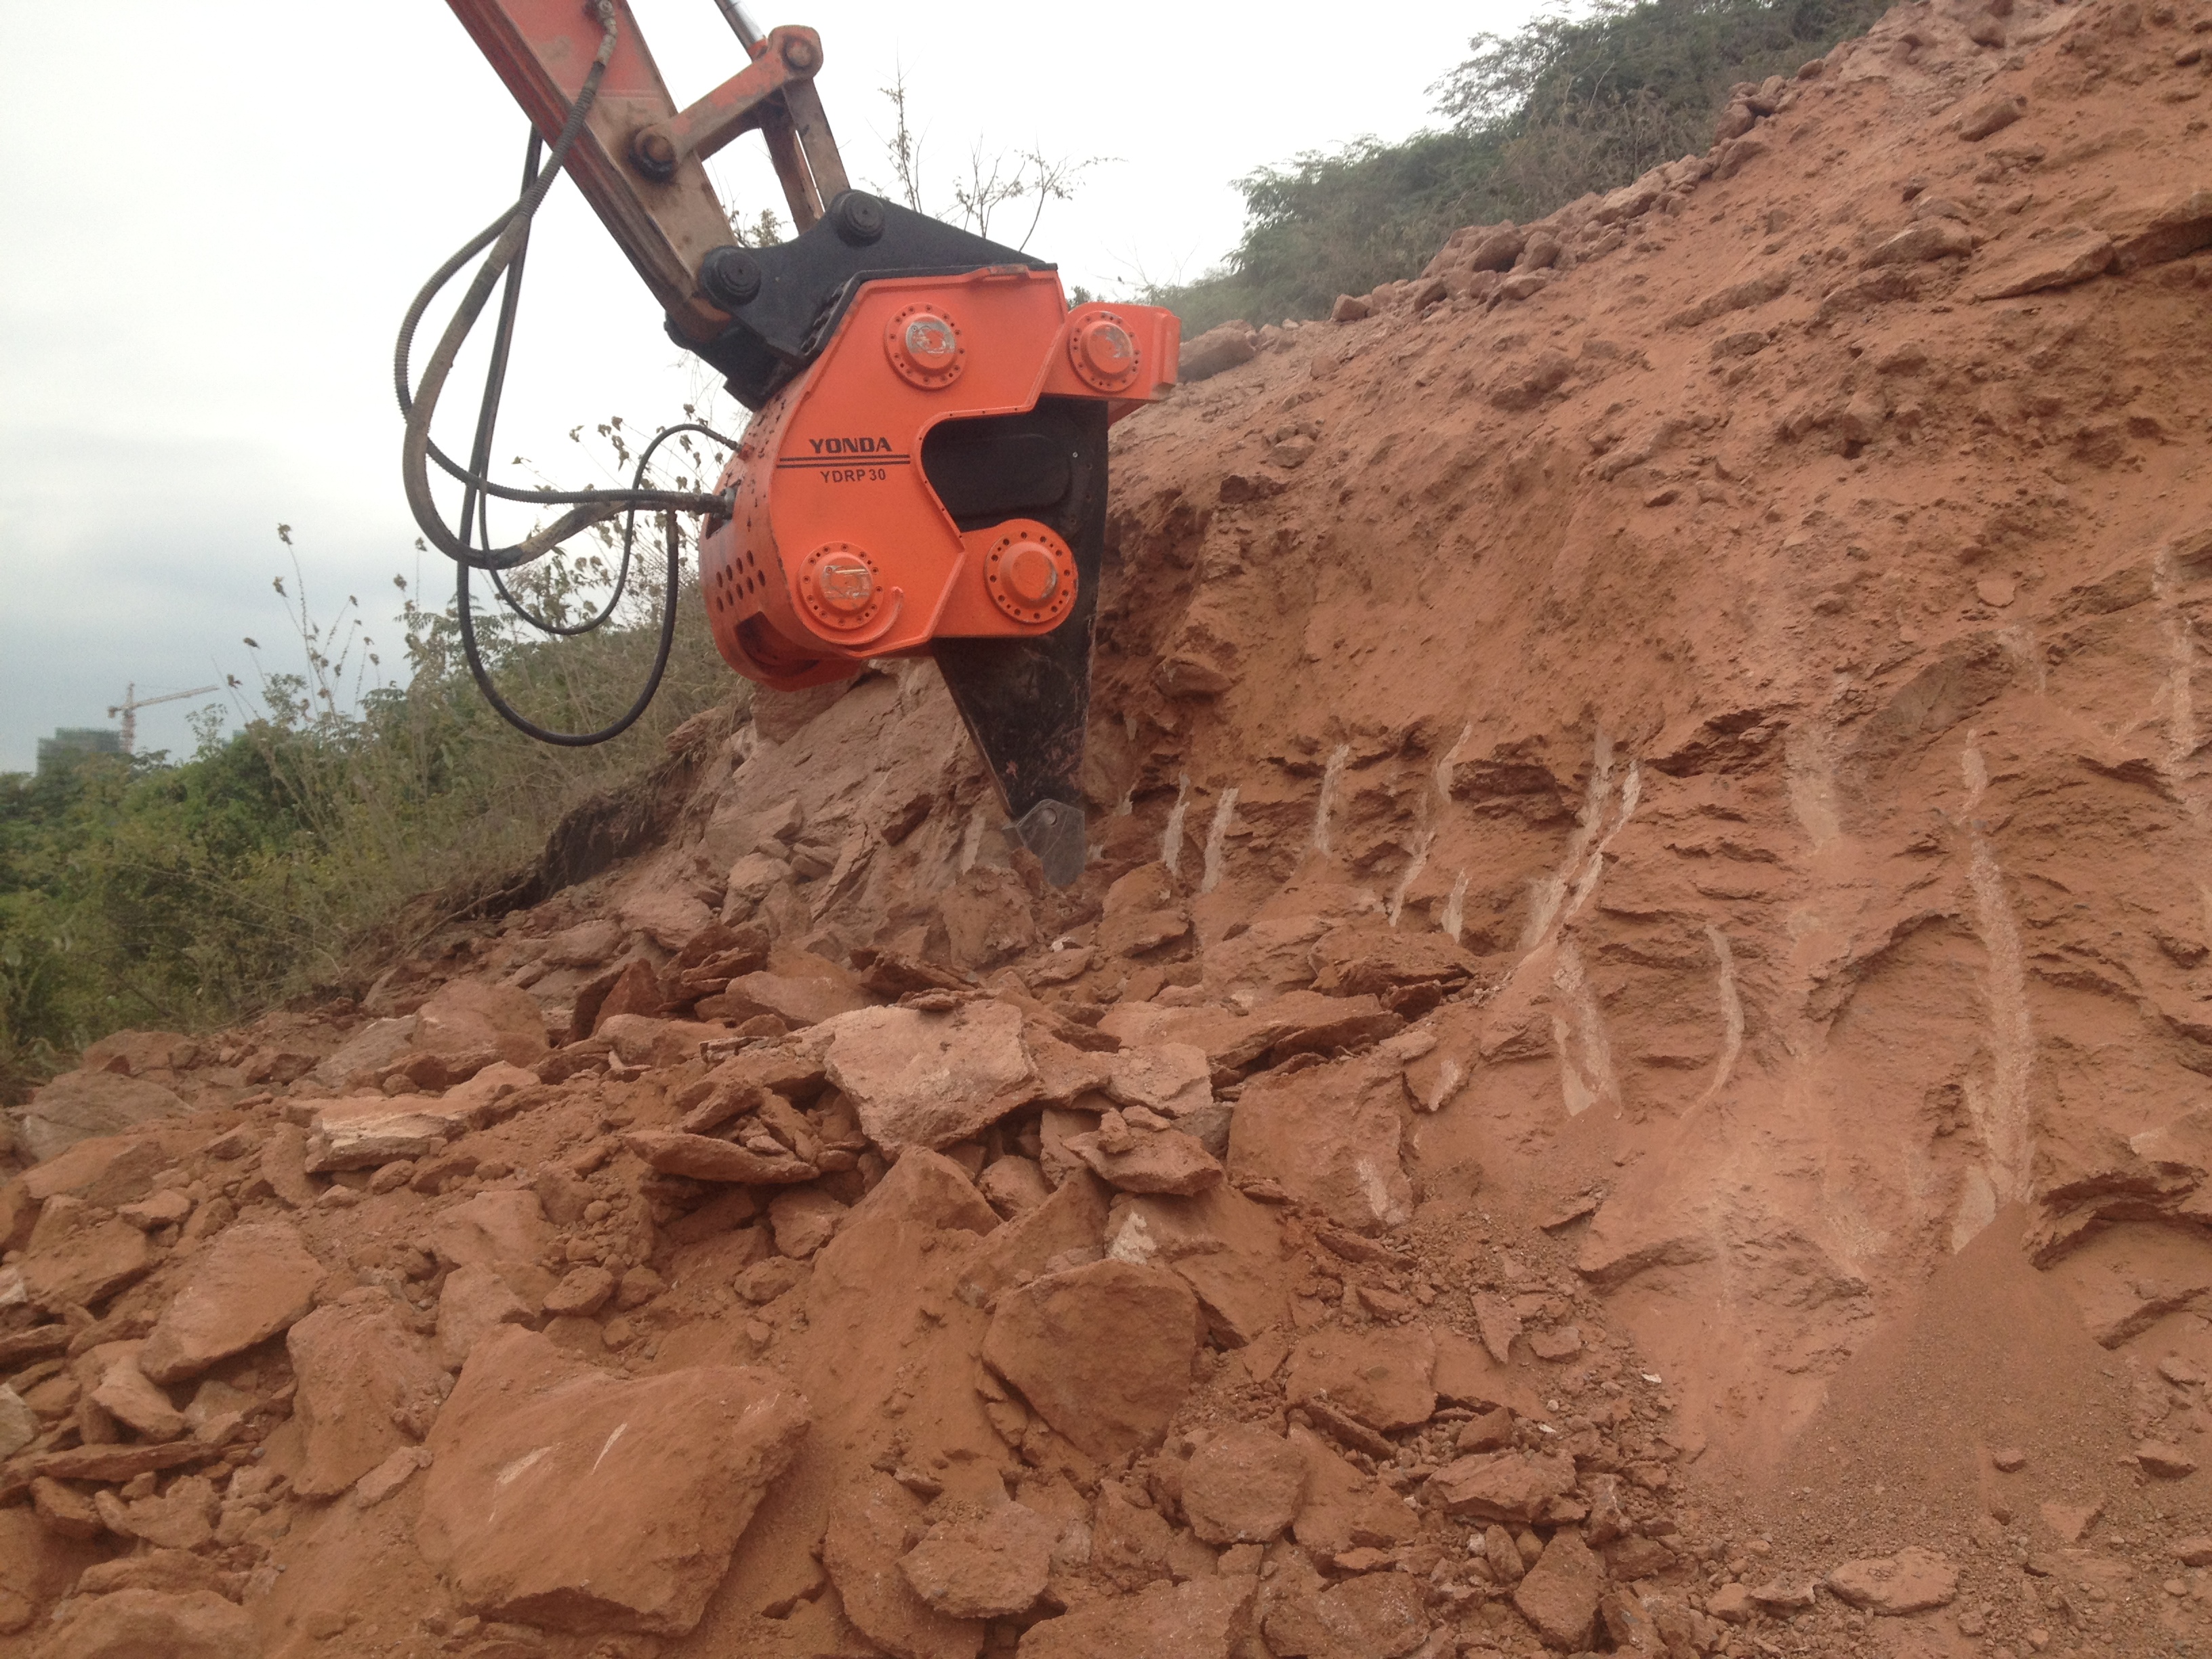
(1567, 105)
(189, 894)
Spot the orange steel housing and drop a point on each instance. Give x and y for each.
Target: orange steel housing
(838, 550)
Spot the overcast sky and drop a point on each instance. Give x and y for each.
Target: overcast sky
(212, 217)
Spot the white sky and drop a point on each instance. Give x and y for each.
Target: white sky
(212, 217)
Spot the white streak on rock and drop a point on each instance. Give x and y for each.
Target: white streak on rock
(1331, 777)
(1171, 843)
(1217, 840)
(1415, 866)
(1455, 918)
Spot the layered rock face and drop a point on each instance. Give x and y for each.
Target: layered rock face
(1627, 1075)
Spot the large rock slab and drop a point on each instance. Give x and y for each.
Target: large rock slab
(363, 1058)
(1102, 1351)
(253, 1282)
(1221, 1244)
(80, 1253)
(1328, 1136)
(927, 1079)
(467, 1018)
(1383, 1377)
(562, 1497)
(367, 1388)
(78, 1105)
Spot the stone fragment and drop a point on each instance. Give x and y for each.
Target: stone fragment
(365, 1131)
(2008, 1460)
(1221, 1244)
(475, 1301)
(254, 1282)
(586, 944)
(19, 1424)
(78, 1105)
(704, 1158)
(1503, 1486)
(1014, 1186)
(803, 1220)
(109, 1170)
(2163, 1460)
(80, 1254)
(669, 1468)
(1350, 309)
(1931, 238)
(180, 1518)
(582, 1292)
(125, 1395)
(1218, 349)
(503, 1229)
(1524, 285)
(389, 1476)
(1344, 1508)
(991, 1566)
(927, 1079)
(2070, 1522)
(1785, 1596)
(2061, 260)
(1559, 1594)
(1913, 1581)
(1202, 1618)
(1328, 1136)
(798, 999)
(64, 1509)
(1497, 249)
(2194, 1552)
(1170, 1077)
(1378, 1613)
(377, 1047)
(1524, 385)
(143, 1624)
(1149, 1161)
(467, 1018)
(871, 1531)
(1382, 1377)
(1991, 115)
(1243, 1486)
(1731, 1604)
(1143, 911)
(1501, 1556)
(2169, 226)
(366, 1387)
(1103, 1352)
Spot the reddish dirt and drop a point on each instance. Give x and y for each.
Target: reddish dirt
(1627, 1075)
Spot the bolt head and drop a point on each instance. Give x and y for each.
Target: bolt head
(1107, 349)
(846, 585)
(799, 54)
(1029, 572)
(930, 343)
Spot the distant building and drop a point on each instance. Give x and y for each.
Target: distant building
(72, 743)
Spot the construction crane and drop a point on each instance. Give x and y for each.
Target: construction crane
(132, 702)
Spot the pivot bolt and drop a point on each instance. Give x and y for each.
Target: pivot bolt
(730, 276)
(800, 56)
(847, 585)
(653, 153)
(1107, 349)
(858, 218)
(1029, 572)
(929, 342)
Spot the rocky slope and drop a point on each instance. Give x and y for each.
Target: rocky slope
(1628, 1074)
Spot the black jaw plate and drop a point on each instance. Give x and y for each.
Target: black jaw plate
(1027, 702)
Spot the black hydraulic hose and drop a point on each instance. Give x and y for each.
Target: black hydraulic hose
(482, 675)
(507, 235)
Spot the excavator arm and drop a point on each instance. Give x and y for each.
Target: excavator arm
(925, 473)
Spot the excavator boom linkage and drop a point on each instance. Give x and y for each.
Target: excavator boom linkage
(925, 473)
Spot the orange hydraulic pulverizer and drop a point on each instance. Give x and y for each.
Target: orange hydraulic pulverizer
(925, 472)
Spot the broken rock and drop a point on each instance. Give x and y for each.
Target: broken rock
(927, 1079)
(1103, 1352)
(1381, 1377)
(129, 1623)
(253, 1282)
(668, 1468)
(367, 1388)
(1559, 1594)
(1149, 1161)
(1911, 1581)
(1243, 1486)
(1504, 1486)
(78, 1105)
(1328, 1136)
(990, 1566)
(871, 1531)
